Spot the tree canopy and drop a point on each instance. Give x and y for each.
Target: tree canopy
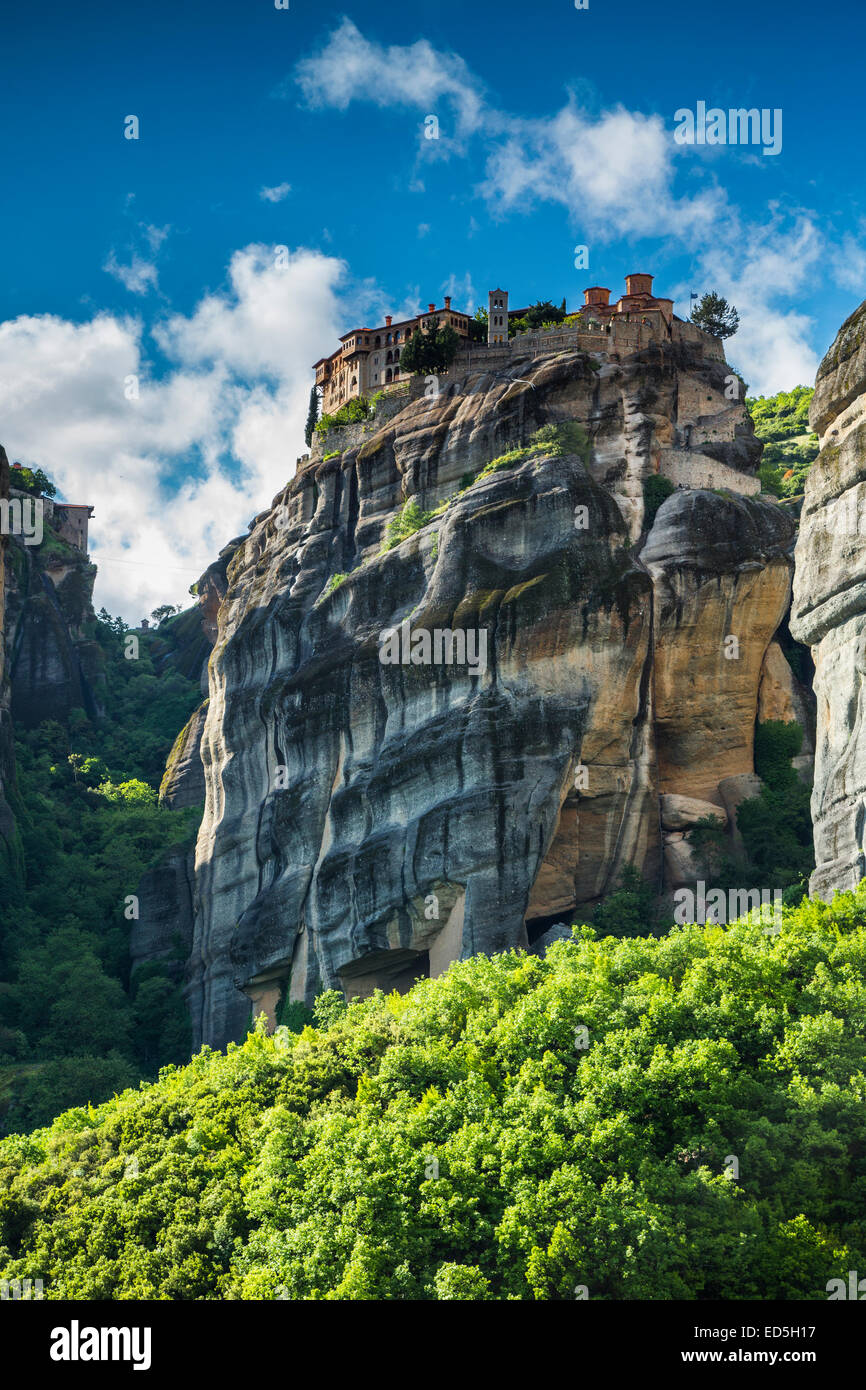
(431, 351)
(715, 315)
(649, 1118)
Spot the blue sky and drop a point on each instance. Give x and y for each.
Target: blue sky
(154, 258)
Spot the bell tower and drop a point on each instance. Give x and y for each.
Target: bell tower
(497, 317)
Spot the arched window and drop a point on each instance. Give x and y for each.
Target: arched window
(388, 375)
(378, 342)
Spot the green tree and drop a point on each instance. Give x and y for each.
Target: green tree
(312, 416)
(715, 315)
(431, 351)
(165, 610)
(35, 481)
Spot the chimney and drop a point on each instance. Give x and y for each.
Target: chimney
(447, 301)
(639, 284)
(596, 294)
(430, 308)
(388, 318)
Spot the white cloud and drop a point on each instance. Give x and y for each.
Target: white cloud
(848, 261)
(350, 68)
(461, 291)
(229, 414)
(756, 266)
(615, 173)
(139, 276)
(275, 194)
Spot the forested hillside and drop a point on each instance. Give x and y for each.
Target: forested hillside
(790, 446)
(649, 1118)
(73, 1025)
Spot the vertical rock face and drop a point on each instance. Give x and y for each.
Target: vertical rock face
(53, 666)
(369, 822)
(829, 607)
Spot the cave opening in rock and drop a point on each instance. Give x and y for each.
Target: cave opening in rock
(385, 970)
(537, 926)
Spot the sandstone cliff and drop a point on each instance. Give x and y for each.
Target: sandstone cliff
(829, 607)
(365, 822)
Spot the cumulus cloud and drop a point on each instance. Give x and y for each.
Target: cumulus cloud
(275, 194)
(349, 67)
(178, 464)
(756, 267)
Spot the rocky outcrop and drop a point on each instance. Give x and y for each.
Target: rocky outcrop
(54, 666)
(183, 782)
(368, 822)
(829, 607)
(722, 580)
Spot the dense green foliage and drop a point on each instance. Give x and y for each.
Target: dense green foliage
(431, 351)
(715, 315)
(359, 408)
(776, 825)
(656, 489)
(73, 1025)
(543, 314)
(632, 909)
(790, 447)
(470, 1140)
(312, 416)
(33, 480)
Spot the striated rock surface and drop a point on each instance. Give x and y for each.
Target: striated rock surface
(367, 823)
(183, 782)
(722, 580)
(829, 607)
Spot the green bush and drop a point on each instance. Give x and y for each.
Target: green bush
(359, 408)
(630, 910)
(334, 583)
(408, 520)
(656, 490)
(469, 1140)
